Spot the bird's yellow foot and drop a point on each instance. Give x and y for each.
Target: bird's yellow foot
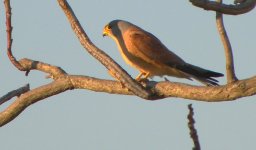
(139, 78)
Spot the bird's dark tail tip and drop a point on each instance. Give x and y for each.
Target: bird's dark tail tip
(200, 74)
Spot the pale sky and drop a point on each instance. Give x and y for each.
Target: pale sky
(81, 119)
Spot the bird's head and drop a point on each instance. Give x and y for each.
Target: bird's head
(115, 28)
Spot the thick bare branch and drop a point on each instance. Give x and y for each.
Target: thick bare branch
(98, 85)
(165, 89)
(115, 70)
(230, 69)
(192, 129)
(14, 93)
(161, 90)
(229, 92)
(240, 7)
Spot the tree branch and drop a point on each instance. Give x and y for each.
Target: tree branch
(230, 69)
(161, 90)
(14, 93)
(192, 129)
(8, 15)
(240, 7)
(115, 70)
(31, 97)
(54, 71)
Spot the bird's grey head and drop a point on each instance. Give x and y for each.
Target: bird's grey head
(116, 28)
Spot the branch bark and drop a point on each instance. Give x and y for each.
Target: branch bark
(240, 7)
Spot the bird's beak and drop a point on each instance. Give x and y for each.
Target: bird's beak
(105, 31)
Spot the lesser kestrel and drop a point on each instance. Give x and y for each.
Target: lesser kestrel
(145, 52)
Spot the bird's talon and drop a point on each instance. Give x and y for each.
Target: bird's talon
(142, 80)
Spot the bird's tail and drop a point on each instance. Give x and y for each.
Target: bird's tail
(202, 75)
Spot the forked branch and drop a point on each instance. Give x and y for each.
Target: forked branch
(115, 70)
(31, 97)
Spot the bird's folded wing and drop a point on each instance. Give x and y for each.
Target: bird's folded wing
(147, 47)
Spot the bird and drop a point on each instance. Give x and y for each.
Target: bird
(145, 52)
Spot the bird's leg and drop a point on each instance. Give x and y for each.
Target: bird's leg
(138, 78)
(146, 75)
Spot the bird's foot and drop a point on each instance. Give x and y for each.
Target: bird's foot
(140, 77)
(142, 80)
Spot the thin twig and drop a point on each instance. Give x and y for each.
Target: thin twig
(8, 14)
(230, 69)
(240, 7)
(101, 56)
(192, 129)
(14, 93)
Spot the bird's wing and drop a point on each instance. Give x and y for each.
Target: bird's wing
(146, 46)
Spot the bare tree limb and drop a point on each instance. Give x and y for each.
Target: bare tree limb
(230, 69)
(31, 97)
(14, 93)
(8, 15)
(161, 90)
(119, 73)
(54, 71)
(240, 7)
(192, 129)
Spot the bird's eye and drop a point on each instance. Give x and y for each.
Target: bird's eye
(109, 27)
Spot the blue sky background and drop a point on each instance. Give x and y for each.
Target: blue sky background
(82, 119)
